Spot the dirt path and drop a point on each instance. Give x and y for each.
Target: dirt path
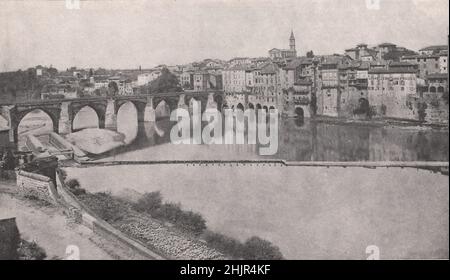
(47, 226)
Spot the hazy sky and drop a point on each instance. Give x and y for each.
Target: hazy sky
(126, 34)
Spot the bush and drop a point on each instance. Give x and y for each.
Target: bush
(105, 206)
(224, 244)
(74, 187)
(256, 248)
(31, 251)
(169, 211)
(149, 203)
(192, 222)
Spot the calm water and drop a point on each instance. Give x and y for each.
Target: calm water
(305, 141)
(310, 213)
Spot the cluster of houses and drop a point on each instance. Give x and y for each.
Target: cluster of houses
(385, 80)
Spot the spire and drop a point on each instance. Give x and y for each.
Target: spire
(292, 41)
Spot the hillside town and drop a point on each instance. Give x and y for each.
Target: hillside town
(362, 82)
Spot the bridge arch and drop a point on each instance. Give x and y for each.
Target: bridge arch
(34, 122)
(162, 110)
(127, 120)
(85, 117)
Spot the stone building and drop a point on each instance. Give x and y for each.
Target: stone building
(234, 78)
(353, 80)
(329, 92)
(392, 93)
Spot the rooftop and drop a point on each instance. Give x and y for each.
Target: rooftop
(435, 48)
(400, 70)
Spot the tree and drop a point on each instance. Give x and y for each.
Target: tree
(113, 89)
(310, 54)
(166, 82)
(256, 248)
(149, 202)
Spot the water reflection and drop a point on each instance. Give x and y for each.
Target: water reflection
(305, 140)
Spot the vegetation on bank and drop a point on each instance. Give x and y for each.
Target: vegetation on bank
(113, 209)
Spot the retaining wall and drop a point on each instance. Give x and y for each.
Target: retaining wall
(40, 186)
(97, 225)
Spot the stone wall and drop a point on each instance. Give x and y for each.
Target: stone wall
(436, 108)
(78, 212)
(32, 184)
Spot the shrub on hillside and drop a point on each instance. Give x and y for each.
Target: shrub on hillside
(256, 248)
(74, 187)
(169, 211)
(149, 203)
(192, 222)
(224, 244)
(105, 206)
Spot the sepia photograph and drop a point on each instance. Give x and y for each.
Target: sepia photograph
(227, 130)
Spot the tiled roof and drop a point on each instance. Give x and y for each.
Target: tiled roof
(386, 45)
(433, 48)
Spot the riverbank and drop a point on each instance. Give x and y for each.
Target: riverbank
(48, 226)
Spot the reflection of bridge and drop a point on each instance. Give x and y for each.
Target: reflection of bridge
(62, 112)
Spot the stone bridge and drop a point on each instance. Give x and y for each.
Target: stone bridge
(63, 111)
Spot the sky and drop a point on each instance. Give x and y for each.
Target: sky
(132, 33)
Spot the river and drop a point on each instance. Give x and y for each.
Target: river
(310, 213)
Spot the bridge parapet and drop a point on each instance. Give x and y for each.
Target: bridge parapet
(63, 111)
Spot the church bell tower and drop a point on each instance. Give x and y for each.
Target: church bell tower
(292, 41)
